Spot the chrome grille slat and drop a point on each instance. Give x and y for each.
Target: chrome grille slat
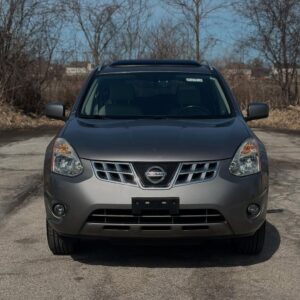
(185, 216)
(196, 172)
(122, 216)
(115, 172)
(191, 216)
(124, 173)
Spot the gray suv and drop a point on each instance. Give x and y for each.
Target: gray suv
(156, 149)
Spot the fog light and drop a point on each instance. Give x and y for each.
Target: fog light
(59, 210)
(253, 210)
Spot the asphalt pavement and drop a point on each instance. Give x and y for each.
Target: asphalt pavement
(101, 270)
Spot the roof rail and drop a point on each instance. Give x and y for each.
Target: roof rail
(100, 68)
(207, 64)
(149, 62)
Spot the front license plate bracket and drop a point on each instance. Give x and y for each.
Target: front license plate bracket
(170, 205)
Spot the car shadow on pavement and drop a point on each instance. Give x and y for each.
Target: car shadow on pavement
(173, 254)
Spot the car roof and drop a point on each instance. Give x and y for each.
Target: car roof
(149, 65)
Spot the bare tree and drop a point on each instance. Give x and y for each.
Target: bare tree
(96, 20)
(29, 33)
(194, 12)
(275, 33)
(130, 38)
(167, 40)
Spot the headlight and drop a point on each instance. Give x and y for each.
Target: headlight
(65, 160)
(246, 160)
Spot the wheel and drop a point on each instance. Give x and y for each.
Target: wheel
(60, 245)
(251, 244)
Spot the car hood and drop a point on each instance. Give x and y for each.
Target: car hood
(155, 140)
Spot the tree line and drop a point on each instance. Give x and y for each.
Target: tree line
(36, 35)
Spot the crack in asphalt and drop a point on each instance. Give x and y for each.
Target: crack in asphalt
(28, 191)
(284, 164)
(275, 210)
(19, 170)
(6, 155)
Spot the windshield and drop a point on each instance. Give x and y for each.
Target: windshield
(155, 95)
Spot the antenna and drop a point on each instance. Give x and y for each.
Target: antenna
(205, 62)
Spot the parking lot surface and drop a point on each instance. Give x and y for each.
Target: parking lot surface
(102, 270)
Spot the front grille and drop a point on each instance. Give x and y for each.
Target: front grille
(169, 167)
(176, 173)
(196, 172)
(115, 172)
(185, 216)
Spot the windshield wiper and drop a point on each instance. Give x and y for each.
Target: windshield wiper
(100, 117)
(121, 117)
(154, 117)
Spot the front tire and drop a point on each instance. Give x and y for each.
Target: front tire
(250, 244)
(60, 245)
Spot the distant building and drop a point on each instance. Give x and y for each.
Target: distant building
(78, 68)
(234, 72)
(261, 72)
(240, 70)
(276, 69)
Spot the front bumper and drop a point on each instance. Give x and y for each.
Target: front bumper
(228, 194)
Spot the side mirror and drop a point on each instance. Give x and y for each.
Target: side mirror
(257, 111)
(55, 111)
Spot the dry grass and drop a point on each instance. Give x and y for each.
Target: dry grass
(280, 119)
(10, 118)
